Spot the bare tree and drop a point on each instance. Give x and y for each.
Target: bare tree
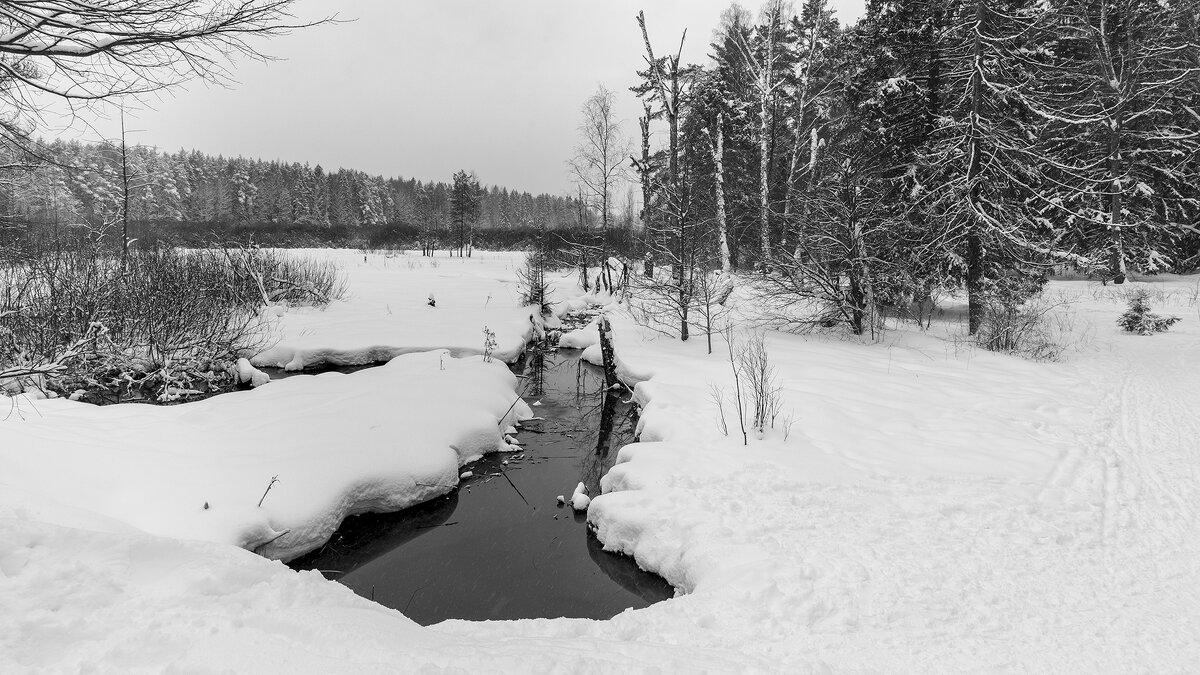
(81, 52)
(675, 238)
(644, 170)
(599, 162)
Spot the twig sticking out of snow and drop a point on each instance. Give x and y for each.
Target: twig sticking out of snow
(514, 404)
(274, 480)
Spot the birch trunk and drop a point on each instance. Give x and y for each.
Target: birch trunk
(718, 152)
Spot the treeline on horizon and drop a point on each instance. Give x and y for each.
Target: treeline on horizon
(193, 198)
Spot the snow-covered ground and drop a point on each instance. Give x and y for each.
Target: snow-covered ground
(388, 310)
(934, 507)
(378, 440)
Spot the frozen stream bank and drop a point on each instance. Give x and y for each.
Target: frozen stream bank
(500, 547)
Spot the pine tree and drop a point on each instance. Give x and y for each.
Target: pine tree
(464, 207)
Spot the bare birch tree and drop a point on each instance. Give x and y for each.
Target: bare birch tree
(599, 163)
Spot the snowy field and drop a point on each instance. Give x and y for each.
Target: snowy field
(933, 507)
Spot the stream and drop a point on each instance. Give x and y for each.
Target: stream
(499, 546)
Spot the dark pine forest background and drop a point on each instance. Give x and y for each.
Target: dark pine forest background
(191, 198)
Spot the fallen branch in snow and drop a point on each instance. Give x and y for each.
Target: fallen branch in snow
(34, 375)
(303, 287)
(437, 485)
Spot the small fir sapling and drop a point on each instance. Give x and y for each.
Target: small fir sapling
(1139, 319)
(531, 279)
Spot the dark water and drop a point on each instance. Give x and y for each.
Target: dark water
(500, 547)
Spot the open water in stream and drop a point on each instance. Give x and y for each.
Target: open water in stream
(499, 546)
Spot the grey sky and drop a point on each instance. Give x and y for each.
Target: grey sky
(423, 88)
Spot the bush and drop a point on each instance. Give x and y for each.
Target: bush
(757, 395)
(1017, 320)
(164, 324)
(1021, 329)
(274, 276)
(1138, 318)
(760, 383)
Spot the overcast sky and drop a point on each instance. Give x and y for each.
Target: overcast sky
(423, 88)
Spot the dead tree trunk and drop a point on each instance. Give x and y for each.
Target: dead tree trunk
(644, 172)
(607, 353)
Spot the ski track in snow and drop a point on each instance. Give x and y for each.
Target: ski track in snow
(1094, 569)
(1101, 568)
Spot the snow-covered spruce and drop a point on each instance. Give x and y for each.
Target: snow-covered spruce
(1139, 319)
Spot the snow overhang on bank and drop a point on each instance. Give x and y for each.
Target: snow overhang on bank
(377, 440)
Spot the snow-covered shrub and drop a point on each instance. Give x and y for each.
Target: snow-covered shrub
(1139, 319)
(270, 276)
(1022, 329)
(162, 325)
(1017, 320)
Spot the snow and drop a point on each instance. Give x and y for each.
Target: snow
(581, 338)
(89, 601)
(579, 498)
(380, 440)
(935, 507)
(248, 374)
(593, 355)
(931, 507)
(388, 311)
